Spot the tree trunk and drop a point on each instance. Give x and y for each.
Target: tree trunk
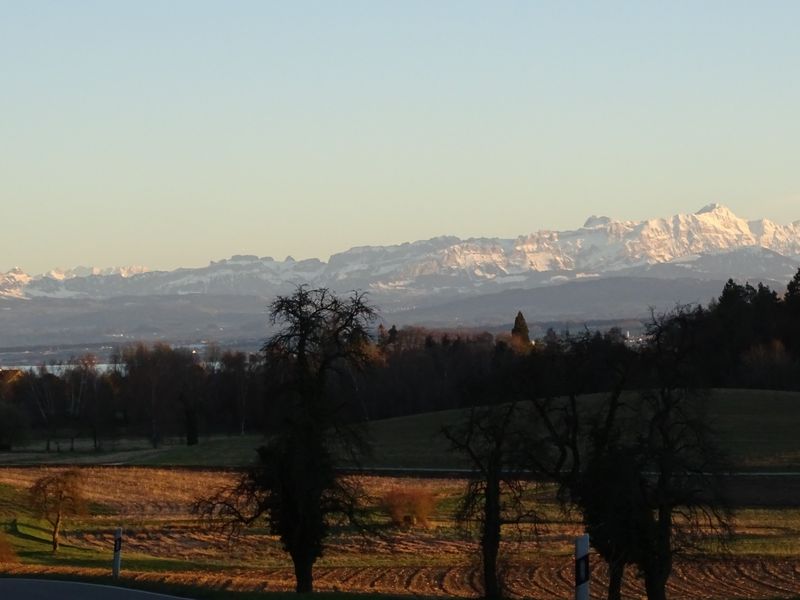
(303, 574)
(56, 531)
(659, 568)
(657, 572)
(242, 411)
(192, 428)
(616, 571)
(490, 539)
(154, 432)
(656, 586)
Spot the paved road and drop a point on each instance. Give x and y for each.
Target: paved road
(38, 589)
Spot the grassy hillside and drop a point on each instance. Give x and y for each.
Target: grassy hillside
(759, 429)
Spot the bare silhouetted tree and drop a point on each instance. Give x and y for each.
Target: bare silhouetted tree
(57, 496)
(493, 439)
(295, 487)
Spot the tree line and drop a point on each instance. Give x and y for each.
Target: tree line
(748, 337)
(153, 392)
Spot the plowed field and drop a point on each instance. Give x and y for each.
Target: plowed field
(152, 507)
(738, 578)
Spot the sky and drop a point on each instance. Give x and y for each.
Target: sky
(171, 133)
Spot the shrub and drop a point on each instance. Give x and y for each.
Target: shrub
(407, 507)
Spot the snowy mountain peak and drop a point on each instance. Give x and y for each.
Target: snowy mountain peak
(720, 213)
(60, 274)
(714, 207)
(595, 221)
(409, 272)
(13, 283)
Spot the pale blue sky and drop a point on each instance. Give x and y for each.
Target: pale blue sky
(169, 133)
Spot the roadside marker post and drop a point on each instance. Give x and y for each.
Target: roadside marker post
(582, 573)
(117, 552)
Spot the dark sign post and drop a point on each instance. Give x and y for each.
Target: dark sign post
(582, 572)
(117, 552)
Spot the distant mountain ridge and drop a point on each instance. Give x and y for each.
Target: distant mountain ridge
(443, 280)
(446, 266)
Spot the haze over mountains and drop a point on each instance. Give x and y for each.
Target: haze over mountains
(605, 269)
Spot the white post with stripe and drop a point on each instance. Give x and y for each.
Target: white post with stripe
(117, 552)
(582, 572)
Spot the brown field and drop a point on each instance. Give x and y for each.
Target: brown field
(164, 543)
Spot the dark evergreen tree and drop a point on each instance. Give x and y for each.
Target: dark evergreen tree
(791, 324)
(520, 336)
(792, 296)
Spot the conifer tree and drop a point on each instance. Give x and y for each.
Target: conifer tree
(520, 336)
(793, 291)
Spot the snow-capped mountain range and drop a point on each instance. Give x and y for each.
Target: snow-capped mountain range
(410, 273)
(604, 270)
(15, 283)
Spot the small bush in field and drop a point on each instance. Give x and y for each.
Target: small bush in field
(407, 507)
(7, 554)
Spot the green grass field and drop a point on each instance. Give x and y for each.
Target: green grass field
(758, 429)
